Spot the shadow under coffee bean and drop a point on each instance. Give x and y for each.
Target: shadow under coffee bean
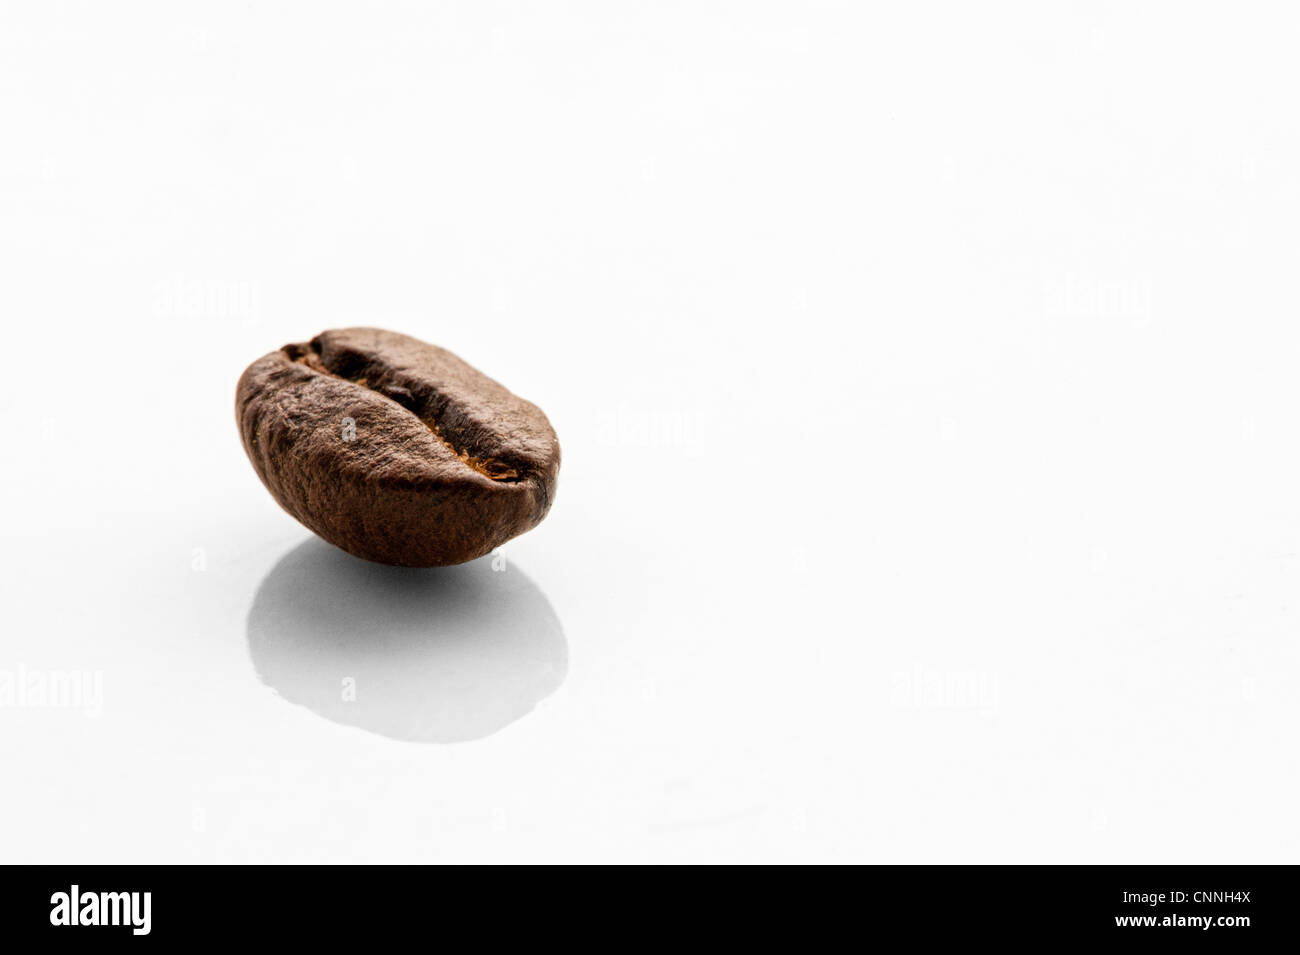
(436, 656)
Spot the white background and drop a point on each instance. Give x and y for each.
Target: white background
(926, 378)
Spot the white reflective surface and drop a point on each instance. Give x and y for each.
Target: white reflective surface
(926, 383)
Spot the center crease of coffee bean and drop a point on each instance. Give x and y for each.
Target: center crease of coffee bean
(490, 468)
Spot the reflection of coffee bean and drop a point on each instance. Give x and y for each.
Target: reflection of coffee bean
(436, 656)
(436, 463)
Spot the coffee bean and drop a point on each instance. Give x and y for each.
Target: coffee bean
(395, 450)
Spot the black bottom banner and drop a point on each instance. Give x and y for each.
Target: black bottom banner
(1225, 906)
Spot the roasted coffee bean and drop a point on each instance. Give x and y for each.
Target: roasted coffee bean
(395, 450)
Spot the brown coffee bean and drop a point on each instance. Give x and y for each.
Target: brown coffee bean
(395, 450)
